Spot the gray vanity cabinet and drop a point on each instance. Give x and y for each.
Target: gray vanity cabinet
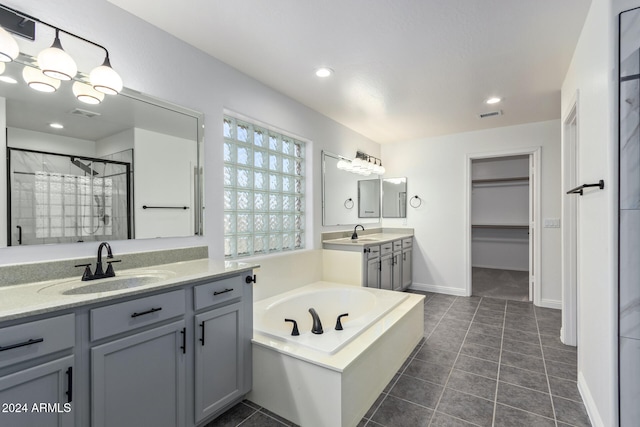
(47, 383)
(139, 379)
(407, 264)
(372, 259)
(36, 377)
(218, 359)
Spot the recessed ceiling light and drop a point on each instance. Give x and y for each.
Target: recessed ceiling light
(493, 100)
(324, 72)
(56, 125)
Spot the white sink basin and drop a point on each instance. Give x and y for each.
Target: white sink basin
(119, 282)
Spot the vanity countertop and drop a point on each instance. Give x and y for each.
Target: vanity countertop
(365, 240)
(18, 301)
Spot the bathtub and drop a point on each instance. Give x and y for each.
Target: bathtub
(332, 379)
(363, 305)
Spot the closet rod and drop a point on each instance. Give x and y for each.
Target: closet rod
(580, 190)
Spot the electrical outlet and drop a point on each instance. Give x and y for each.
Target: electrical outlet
(551, 223)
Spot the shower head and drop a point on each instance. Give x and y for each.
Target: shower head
(83, 166)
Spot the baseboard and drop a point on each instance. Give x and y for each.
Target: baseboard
(589, 403)
(550, 303)
(438, 289)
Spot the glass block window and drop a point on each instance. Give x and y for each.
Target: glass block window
(263, 190)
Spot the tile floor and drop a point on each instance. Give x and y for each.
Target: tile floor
(496, 283)
(483, 362)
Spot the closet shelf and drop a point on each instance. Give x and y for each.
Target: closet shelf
(503, 226)
(489, 180)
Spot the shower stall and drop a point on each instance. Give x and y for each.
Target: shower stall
(60, 198)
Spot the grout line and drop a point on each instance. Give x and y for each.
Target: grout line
(546, 374)
(495, 397)
(528, 412)
(444, 387)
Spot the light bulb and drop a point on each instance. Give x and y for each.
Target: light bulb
(55, 62)
(38, 81)
(9, 49)
(87, 94)
(104, 79)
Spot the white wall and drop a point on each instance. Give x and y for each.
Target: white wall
(200, 82)
(435, 169)
(32, 140)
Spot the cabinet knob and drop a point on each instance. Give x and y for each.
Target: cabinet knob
(250, 279)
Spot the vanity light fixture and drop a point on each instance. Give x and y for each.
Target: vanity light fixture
(9, 49)
(493, 100)
(54, 61)
(86, 93)
(37, 80)
(361, 164)
(8, 79)
(56, 125)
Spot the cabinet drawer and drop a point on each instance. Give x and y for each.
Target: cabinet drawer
(217, 292)
(397, 245)
(407, 243)
(386, 248)
(34, 339)
(130, 315)
(372, 252)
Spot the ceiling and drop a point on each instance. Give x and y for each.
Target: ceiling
(404, 70)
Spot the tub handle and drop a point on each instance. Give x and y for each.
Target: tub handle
(295, 332)
(339, 323)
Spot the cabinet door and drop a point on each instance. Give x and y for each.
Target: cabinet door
(48, 386)
(373, 273)
(219, 359)
(397, 271)
(386, 272)
(407, 268)
(140, 380)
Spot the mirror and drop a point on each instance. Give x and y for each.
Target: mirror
(341, 195)
(369, 198)
(126, 168)
(394, 198)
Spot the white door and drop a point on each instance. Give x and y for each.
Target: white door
(532, 226)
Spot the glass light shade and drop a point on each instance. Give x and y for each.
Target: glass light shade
(55, 62)
(104, 79)
(38, 81)
(342, 165)
(357, 163)
(382, 170)
(87, 94)
(2, 67)
(9, 49)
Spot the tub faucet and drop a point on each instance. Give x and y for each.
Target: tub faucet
(354, 236)
(317, 325)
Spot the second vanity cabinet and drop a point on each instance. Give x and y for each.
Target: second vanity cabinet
(384, 265)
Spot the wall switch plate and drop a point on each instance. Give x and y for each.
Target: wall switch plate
(551, 223)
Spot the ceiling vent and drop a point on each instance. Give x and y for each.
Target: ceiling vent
(490, 114)
(84, 113)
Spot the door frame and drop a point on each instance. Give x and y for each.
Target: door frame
(534, 153)
(570, 246)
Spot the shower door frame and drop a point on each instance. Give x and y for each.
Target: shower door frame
(128, 177)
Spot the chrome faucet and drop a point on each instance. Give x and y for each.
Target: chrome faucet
(317, 324)
(354, 236)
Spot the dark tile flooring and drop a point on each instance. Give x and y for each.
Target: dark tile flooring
(483, 362)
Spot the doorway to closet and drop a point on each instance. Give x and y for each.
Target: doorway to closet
(502, 207)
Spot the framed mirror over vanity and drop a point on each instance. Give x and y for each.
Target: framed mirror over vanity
(128, 167)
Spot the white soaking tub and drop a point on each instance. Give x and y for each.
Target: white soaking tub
(332, 379)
